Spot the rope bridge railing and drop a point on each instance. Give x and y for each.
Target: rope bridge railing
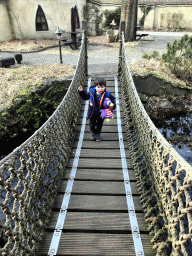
(164, 177)
(30, 175)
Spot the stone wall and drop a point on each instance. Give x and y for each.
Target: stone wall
(5, 27)
(97, 8)
(94, 9)
(168, 17)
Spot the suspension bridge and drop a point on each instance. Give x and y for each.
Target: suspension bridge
(62, 194)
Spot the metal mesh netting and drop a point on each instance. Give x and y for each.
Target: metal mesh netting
(164, 177)
(30, 175)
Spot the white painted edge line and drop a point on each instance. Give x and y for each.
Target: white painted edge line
(130, 204)
(63, 211)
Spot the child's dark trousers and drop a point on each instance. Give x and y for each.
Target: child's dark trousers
(96, 124)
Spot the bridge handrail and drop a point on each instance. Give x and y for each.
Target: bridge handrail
(31, 174)
(164, 177)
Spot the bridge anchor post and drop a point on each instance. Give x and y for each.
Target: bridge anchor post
(121, 29)
(84, 27)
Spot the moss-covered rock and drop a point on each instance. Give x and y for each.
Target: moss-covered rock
(153, 85)
(31, 108)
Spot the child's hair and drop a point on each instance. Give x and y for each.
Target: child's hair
(100, 81)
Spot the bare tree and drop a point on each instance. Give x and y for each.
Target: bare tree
(129, 15)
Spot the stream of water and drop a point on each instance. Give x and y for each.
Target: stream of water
(181, 129)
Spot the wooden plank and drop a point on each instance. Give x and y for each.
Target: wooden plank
(98, 187)
(88, 177)
(98, 221)
(104, 153)
(91, 244)
(103, 144)
(112, 121)
(95, 244)
(104, 136)
(100, 163)
(97, 202)
(106, 128)
(107, 78)
(99, 174)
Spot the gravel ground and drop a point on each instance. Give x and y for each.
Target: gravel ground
(102, 57)
(155, 41)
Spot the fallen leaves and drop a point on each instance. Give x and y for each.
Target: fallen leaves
(27, 45)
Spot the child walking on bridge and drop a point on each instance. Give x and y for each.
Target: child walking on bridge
(96, 96)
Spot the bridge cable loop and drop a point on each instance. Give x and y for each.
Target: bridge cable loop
(30, 175)
(166, 172)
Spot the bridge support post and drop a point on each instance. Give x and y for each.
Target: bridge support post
(84, 27)
(121, 29)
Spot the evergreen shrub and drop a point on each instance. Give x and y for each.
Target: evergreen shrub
(179, 57)
(154, 55)
(112, 15)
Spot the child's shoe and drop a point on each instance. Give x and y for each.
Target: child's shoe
(92, 136)
(98, 138)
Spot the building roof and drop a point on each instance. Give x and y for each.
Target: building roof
(150, 2)
(165, 2)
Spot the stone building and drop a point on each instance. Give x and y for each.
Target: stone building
(35, 19)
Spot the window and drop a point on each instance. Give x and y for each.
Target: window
(41, 22)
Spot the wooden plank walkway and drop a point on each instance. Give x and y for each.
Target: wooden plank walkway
(97, 220)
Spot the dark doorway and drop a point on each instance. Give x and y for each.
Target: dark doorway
(74, 19)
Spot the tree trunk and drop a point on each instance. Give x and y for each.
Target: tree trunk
(129, 15)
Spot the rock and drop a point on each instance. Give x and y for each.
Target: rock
(47, 81)
(165, 104)
(164, 107)
(190, 109)
(17, 100)
(60, 88)
(35, 89)
(153, 85)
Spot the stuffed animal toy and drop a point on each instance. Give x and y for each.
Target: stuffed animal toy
(107, 112)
